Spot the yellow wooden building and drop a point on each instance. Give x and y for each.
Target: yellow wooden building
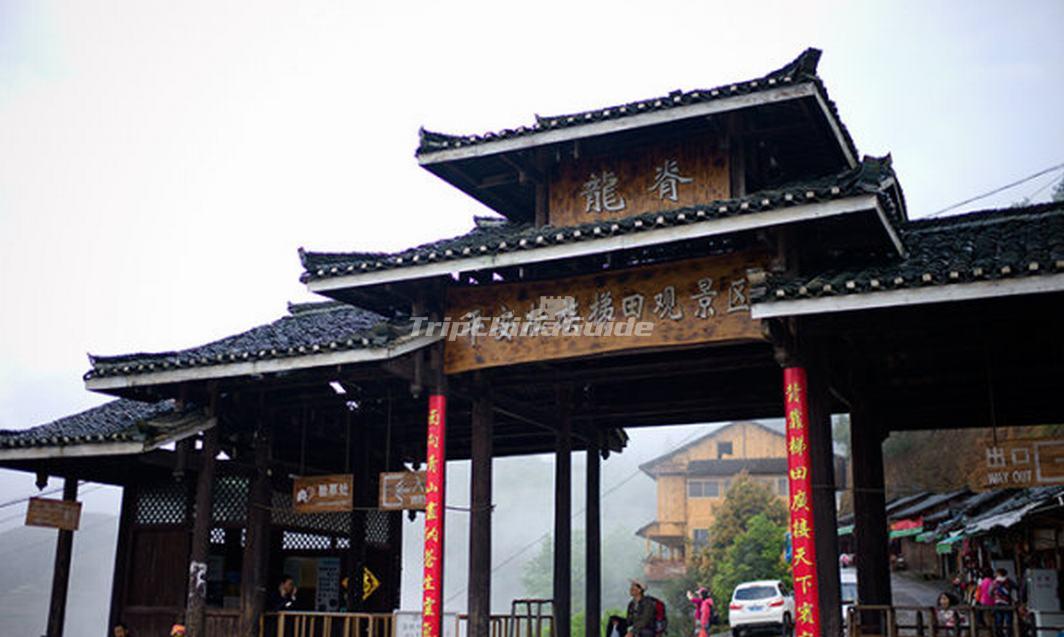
(692, 481)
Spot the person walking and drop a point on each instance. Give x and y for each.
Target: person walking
(1003, 593)
(640, 612)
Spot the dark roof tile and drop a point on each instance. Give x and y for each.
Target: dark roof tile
(119, 420)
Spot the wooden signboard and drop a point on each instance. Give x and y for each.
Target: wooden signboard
(323, 494)
(1020, 463)
(676, 174)
(677, 303)
(55, 514)
(402, 490)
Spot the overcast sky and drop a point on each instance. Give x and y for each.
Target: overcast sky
(161, 162)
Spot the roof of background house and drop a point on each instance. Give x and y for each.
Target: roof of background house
(802, 69)
(988, 245)
(927, 504)
(647, 466)
(308, 329)
(496, 235)
(733, 466)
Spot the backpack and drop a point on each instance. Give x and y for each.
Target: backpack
(661, 620)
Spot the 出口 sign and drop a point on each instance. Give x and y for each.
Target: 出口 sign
(54, 514)
(322, 494)
(1020, 463)
(662, 177)
(402, 490)
(700, 300)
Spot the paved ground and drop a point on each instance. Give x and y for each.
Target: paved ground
(910, 591)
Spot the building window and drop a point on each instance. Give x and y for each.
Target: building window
(725, 449)
(701, 538)
(703, 489)
(781, 486)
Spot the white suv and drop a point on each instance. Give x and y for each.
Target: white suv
(761, 605)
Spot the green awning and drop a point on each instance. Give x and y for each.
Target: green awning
(946, 546)
(916, 530)
(926, 536)
(846, 530)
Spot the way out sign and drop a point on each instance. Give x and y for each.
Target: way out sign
(402, 490)
(54, 514)
(323, 494)
(1020, 463)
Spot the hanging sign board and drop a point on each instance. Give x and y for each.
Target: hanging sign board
(55, 514)
(402, 490)
(671, 174)
(1019, 464)
(701, 300)
(323, 494)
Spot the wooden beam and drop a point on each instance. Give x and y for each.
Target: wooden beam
(196, 604)
(563, 522)
(593, 557)
(822, 473)
(869, 506)
(64, 546)
(480, 516)
(255, 567)
(122, 553)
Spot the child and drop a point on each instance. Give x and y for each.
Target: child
(945, 615)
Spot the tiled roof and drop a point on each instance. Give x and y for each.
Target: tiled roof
(308, 329)
(733, 466)
(493, 236)
(987, 245)
(119, 420)
(801, 69)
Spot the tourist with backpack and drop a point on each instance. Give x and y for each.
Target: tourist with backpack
(1002, 593)
(646, 614)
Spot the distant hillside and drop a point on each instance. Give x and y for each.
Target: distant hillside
(28, 554)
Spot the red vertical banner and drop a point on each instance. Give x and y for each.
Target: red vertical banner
(803, 533)
(435, 458)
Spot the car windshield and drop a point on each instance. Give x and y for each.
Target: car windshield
(849, 591)
(755, 592)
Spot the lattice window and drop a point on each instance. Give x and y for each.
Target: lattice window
(343, 542)
(293, 541)
(230, 500)
(377, 528)
(217, 536)
(162, 503)
(331, 523)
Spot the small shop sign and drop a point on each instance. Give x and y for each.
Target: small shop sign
(323, 494)
(55, 514)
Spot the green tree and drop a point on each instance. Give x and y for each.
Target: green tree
(756, 554)
(746, 540)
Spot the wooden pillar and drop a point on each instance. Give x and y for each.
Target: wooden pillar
(593, 563)
(121, 570)
(870, 509)
(64, 546)
(825, 515)
(363, 496)
(480, 517)
(563, 522)
(254, 570)
(196, 605)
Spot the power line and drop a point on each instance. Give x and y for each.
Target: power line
(999, 189)
(95, 487)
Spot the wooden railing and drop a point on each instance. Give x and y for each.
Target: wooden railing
(922, 621)
(318, 624)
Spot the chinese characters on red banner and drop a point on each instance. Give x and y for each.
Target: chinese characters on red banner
(435, 457)
(806, 605)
